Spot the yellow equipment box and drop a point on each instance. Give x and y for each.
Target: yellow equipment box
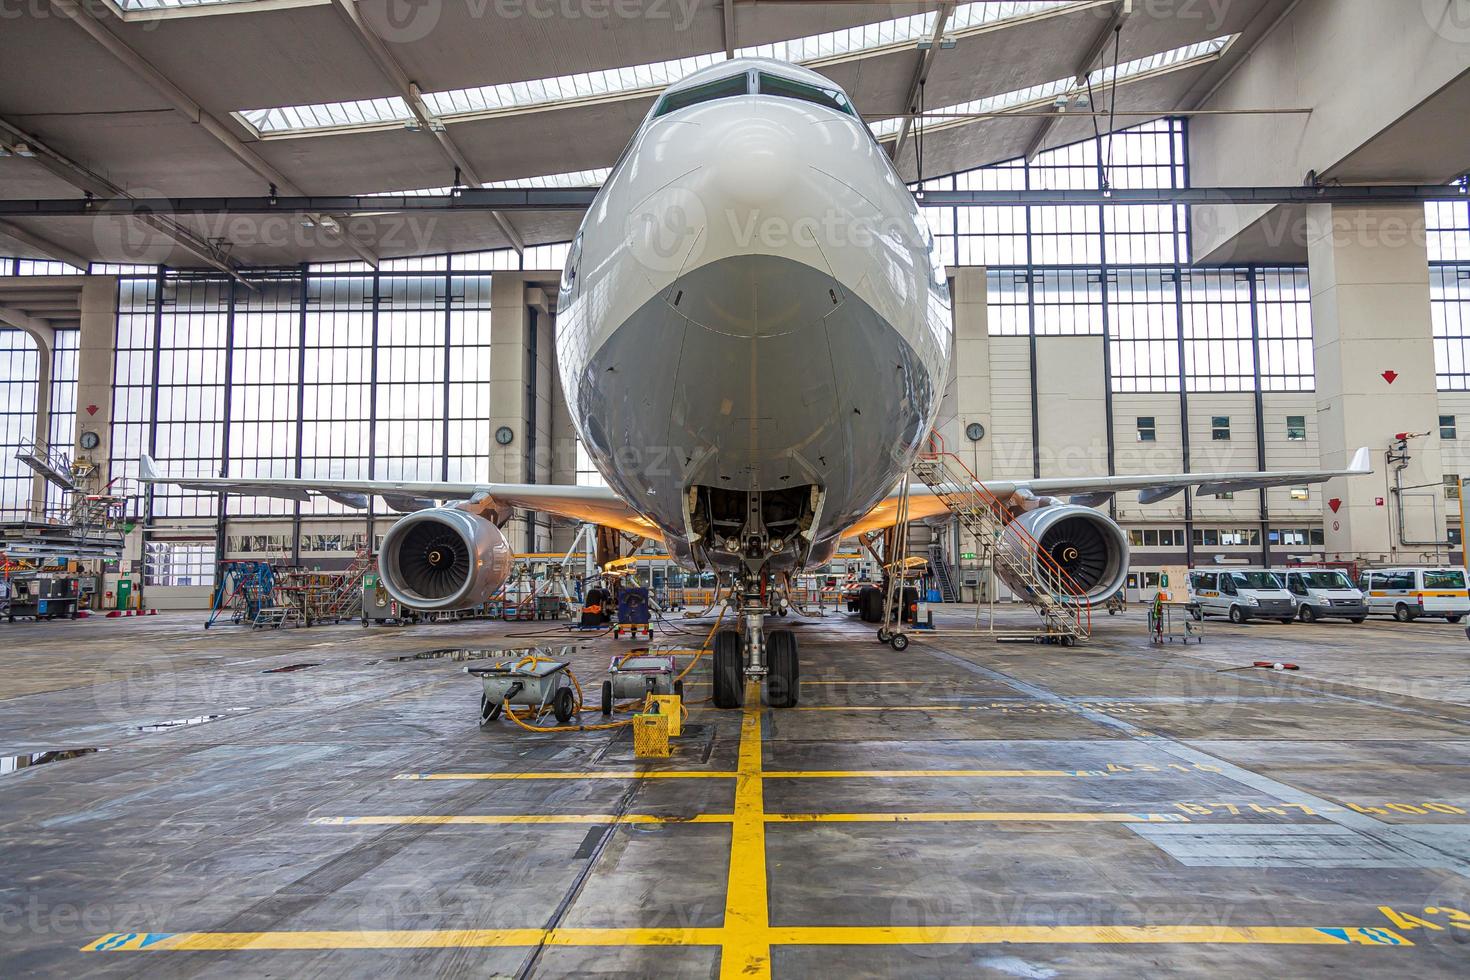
(651, 736)
(668, 706)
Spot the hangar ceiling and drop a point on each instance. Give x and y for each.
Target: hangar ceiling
(164, 98)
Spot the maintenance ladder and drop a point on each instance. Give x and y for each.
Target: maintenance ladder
(1022, 557)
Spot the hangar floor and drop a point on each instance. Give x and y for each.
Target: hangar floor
(961, 808)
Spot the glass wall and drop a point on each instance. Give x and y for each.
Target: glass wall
(1120, 272)
(331, 372)
(19, 370)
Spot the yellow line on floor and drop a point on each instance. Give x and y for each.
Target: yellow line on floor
(747, 940)
(746, 951)
(976, 817)
(984, 935)
(517, 818)
(917, 707)
(787, 774)
(916, 773)
(623, 774)
(401, 939)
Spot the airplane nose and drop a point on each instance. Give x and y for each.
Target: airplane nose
(756, 162)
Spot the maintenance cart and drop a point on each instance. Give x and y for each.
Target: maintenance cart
(638, 674)
(1168, 621)
(529, 679)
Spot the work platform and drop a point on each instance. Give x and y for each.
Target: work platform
(959, 809)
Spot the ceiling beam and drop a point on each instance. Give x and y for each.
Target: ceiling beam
(100, 187)
(413, 95)
(43, 245)
(921, 73)
(194, 112)
(35, 326)
(1095, 50)
(552, 200)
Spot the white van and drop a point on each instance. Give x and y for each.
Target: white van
(1241, 594)
(1321, 592)
(1408, 593)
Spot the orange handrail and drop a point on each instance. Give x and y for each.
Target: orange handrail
(935, 450)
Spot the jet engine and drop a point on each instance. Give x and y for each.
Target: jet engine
(444, 558)
(1086, 543)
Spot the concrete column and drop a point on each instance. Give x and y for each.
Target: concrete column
(509, 318)
(1374, 355)
(970, 384)
(96, 362)
(45, 349)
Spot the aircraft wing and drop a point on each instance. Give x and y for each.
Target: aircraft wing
(598, 505)
(1093, 490)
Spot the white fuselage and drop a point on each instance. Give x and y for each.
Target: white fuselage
(753, 303)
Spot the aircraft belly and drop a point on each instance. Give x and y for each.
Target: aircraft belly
(755, 372)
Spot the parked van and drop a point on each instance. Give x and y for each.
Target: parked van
(1241, 594)
(1408, 593)
(1321, 592)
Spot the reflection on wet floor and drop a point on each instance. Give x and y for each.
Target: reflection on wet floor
(449, 653)
(15, 763)
(164, 726)
(290, 668)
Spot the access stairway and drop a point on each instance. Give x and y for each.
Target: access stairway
(1021, 559)
(943, 574)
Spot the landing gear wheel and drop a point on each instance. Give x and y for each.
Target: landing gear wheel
(783, 677)
(1402, 614)
(1236, 616)
(607, 697)
(883, 635)
(488, 712)
(1307, 614)
(900, 641)
(562, 705)
(870, 605)
(729, 686)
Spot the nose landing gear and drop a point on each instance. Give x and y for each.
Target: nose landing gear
(756, 654)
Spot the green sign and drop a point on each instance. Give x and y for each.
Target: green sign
(968, 555)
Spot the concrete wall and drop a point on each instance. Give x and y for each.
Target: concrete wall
(1361, 66)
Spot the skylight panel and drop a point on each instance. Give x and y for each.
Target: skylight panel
(1046, 92)
(862, 41)
(575, 178)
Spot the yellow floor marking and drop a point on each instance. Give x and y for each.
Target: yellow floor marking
(981, 935)
(786, 774)
(513, 818)
(753, 940)
(916, 773)
(402, 939)
(746, 951)
(976, 817)
(624, 774)
(922, 707)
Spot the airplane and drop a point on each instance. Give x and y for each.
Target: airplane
(753, 335)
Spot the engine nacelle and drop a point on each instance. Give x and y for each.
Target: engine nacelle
(1087, 544)
(444, 558)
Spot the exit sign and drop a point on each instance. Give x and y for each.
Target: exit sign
(968, 555)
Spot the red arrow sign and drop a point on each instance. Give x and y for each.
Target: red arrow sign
(1334, 503)
(1390, 376)
(91, 409)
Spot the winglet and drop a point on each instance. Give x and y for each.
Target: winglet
(147, 469)
(1362, 461)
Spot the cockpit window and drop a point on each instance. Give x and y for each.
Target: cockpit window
(790, 88)
(720, 88)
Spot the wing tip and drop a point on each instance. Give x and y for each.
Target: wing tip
(1362, 461)
(147, 469)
